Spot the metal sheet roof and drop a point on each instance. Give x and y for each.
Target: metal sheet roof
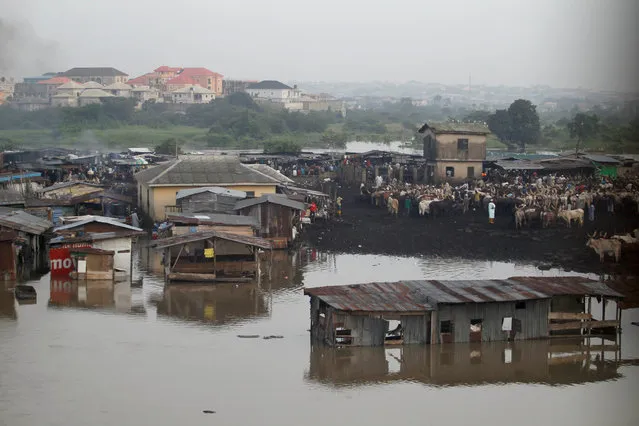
(518, 165)
(270, 172)
(98, 219)
(406, 296)
(279, 199)
(212, 189)
(25, 222)
(212, 219)
(199, 236)
(604, 159)
(374, 297)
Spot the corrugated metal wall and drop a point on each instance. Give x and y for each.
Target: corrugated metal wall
(366, 331)
(416, 329)
(534, 319)
(208, 202)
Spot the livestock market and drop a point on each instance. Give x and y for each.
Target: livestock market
(559, 212)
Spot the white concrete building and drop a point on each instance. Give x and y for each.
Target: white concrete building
(122, 90)
(92, 96)
(192, 95)
(273, 90)
(64, 100)
(145, 93)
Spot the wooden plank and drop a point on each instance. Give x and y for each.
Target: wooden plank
(583, 348)
(185, 276)
(572, 359)
(568, 316)
(585, 325)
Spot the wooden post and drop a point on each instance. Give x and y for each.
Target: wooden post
(401, 174)
(214, 256)
(178, 257)
(433, 328)
(167, 263)
(603, 308)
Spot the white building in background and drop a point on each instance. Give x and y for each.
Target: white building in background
(145, 93)
(192, 95)
(273, 90)
(92, 96)
(122, 90)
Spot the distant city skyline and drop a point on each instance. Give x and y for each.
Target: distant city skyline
(556, 43)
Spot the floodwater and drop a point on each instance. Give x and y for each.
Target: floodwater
(137, 355)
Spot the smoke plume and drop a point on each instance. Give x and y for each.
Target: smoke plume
(23, 52)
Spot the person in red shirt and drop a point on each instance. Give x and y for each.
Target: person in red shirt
(313, 210)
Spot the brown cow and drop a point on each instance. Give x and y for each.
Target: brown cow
(603, 246)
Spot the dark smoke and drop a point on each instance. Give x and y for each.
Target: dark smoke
(23, 52)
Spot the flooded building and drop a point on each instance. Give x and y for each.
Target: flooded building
(158, 186)
(211, 256)
(23, 239)
(518, 308)
(213, 199)
(276, 216)
(99, 233)
(184, 223)
(453, 152)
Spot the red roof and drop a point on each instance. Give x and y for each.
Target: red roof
(55, 80)
(165, 68)
(143, 79)
(182, 79)
(199, 72)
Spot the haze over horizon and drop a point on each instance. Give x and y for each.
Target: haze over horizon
(560, 43)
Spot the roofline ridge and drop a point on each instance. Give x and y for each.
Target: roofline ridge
(259, 172)
(177, 161)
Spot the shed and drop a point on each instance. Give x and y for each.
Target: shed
(457, 311)
(606, 166)
(186, 222)
(211, 256)
(92, 264)
(23, 244)
(212, 199)
(276, 216)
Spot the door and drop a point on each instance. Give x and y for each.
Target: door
(470, 172)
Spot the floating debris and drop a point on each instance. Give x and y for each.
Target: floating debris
(208, 411)
(273, 337)
(248, 336)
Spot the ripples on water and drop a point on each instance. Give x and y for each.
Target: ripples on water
(105, 354)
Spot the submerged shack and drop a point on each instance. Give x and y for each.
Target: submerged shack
(276, 216)
(434, 312)
(211, 256)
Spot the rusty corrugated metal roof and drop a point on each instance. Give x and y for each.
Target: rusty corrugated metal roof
(411, 296)
(374, 297)
(205, 235)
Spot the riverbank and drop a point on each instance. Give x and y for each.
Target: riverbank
(366, 229)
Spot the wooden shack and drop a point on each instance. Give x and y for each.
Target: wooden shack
(23, 239)
(211, 256)
(92, 264)
(197, 222)
(276, 215)
(434, 312)
(212, 199)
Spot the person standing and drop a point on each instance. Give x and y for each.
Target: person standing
(407, 205)
(591, 212)
(491, 212)
(313, 210)
(338, 201)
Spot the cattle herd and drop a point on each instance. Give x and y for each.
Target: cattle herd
(526, 201)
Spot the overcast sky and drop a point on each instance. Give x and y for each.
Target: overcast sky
(562, 43)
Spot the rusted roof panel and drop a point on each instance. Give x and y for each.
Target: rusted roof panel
(373, 297)
(417, 296)
(566, 286)
(205, 235)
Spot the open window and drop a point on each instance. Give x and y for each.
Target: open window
(475, 330)
(462, 144)
(450, 172)
(446, 331)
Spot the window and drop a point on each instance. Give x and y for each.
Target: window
(450, 172)
(445, 327)
(470, 172)
(250, 194)
(462, 144)
(520, 305)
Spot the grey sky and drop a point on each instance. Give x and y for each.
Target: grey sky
(563, 43)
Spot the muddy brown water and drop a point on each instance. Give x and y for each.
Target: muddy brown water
(131, 355)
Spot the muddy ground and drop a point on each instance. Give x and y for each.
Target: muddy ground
(366, 229)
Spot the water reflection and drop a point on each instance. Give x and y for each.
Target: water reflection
(94, 294)
(7, 303)
(536, 361)
(219, 304)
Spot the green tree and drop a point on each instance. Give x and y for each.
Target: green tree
(169, 146)
(282, 146)
(500, 124)
(582, 127)
(332, 139)
(524, 121)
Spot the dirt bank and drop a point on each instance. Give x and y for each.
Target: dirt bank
(370, 230)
